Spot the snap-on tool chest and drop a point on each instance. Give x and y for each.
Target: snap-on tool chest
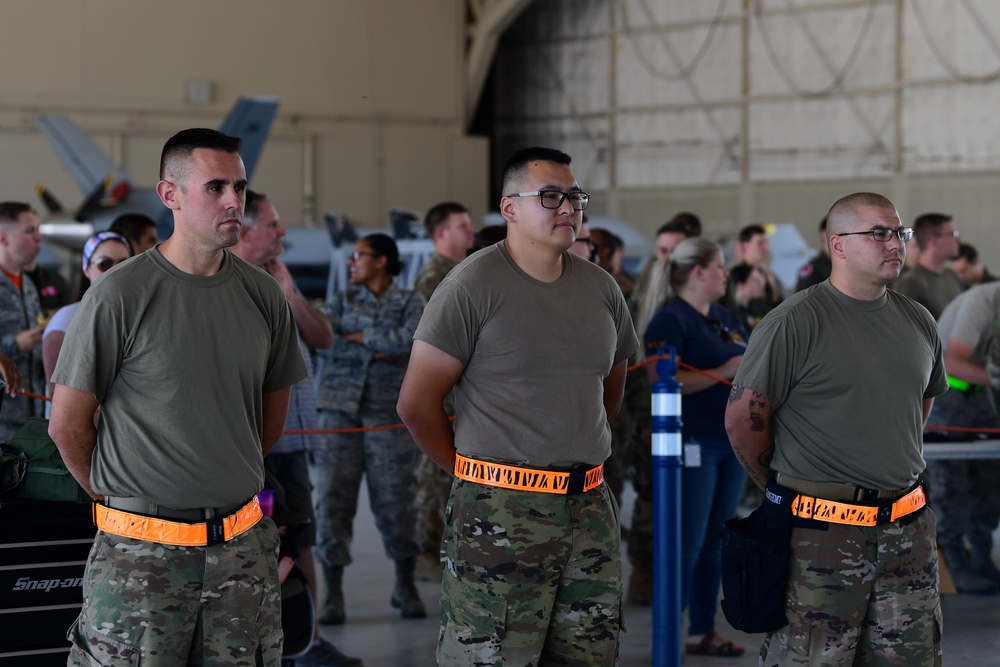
(43, 551)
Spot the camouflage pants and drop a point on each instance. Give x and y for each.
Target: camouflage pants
(153, 604)
(388, 460)
(861, 596)
(530, 578)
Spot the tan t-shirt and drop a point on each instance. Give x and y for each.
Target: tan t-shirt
(535, 354)
(846, 379)
(179, 364)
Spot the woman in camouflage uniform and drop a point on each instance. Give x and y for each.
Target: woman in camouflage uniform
(373, 324)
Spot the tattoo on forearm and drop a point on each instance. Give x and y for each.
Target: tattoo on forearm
(757, 406)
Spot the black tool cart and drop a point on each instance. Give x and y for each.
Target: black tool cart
(43, 551)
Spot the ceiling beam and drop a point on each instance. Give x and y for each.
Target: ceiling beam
(488, 20)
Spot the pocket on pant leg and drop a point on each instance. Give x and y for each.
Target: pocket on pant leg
(91, 649)
(269, 650)
(472, 625)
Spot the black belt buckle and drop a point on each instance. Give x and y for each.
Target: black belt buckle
(215, 531)
(577, 480)
(864, 495)
(884, 514)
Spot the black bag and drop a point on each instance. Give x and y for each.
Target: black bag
(755, 555)
(32, 469)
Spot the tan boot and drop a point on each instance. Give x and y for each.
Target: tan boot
(404, 594)
(332, 611)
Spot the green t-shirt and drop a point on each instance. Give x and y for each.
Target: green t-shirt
(846, 379)
(179, 364)
(535, 354)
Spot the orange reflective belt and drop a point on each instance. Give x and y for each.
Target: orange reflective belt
(162, 531)
(834, 511)
(527, 479)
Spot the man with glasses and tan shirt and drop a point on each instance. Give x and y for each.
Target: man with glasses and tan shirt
(826, 413)
(535, 341)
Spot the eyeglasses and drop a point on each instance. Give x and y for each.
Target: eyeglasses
(884, 234)
(105, 263)
(952, 234)
(585, 240)
(358, 254)
(554, 198)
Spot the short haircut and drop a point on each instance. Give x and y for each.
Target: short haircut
(750, 231)
(439, 213)
(926, 225)
(691, 221)
(131, 226)
(517, 164)
(968, 253)
(845, 210)
(10, 211)
(688, 254)
(173, 159)
(675, 227)
(251, 210)
(383, 246)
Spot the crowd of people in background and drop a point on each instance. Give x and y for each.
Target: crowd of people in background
(359, 345)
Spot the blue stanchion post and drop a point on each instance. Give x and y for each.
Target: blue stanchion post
(667, 462)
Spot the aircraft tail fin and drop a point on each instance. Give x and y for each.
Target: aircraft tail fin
(85, 161)
(250, 120)
(52, 205)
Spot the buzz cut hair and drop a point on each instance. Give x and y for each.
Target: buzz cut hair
(517, 164)
(174, 160)
(439, 214)
(845, 210)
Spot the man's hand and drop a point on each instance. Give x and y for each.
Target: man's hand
(277, 270)
(29, 339)
(11, 376)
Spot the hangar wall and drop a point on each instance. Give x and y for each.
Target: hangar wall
(763, 110)
(371, 95)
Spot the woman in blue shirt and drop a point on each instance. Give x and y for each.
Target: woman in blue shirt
(708, 337)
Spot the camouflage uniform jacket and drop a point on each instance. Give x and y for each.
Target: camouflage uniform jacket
(431, 275)
(19, 311)
(349, 369)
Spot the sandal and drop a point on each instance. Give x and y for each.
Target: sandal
(712, 644)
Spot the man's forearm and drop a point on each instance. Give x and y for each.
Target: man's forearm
(77, 451)
(434, 435)
(748, 424)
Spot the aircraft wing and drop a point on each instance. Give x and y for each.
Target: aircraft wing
(250, 120)
(87, 164)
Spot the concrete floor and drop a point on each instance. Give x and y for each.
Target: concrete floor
(375, 632)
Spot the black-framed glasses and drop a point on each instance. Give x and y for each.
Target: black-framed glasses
(105, 263)
(884, 234)
(358, 254)
(586, 240)
(554, 198)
